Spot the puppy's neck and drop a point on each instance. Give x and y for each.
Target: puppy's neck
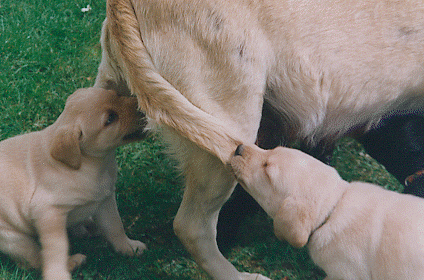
(328, 215)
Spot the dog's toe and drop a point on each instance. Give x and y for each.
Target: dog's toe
(138, 247)
(131, 248)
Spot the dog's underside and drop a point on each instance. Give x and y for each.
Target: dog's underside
(201, 71)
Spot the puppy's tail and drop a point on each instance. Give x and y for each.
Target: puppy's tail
(157, 97)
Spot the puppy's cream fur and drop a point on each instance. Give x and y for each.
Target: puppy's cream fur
(63, 175)
(202, 69)
(352, 230)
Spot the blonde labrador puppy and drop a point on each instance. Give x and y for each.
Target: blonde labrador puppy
(352, 230)
(202, 70)
(63, 175)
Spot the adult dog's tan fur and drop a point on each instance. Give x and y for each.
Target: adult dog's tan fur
(202, 69)
(352, 230)
(63, 175)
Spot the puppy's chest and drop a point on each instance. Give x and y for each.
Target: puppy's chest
(87, 186)
(89, 201)
(103, 186)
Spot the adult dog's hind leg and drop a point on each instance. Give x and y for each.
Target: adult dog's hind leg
(208, 185)
(241, 204)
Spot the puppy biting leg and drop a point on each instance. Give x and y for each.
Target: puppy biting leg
(110, 225)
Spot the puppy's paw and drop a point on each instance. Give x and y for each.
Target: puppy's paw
(138, 247)
(76, 260)
(132, 248)
(250, 276)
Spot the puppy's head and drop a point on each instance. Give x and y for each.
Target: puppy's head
(94, 122)
(294, 188)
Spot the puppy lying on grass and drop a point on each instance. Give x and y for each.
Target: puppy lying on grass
(352, 230)
(62, 175)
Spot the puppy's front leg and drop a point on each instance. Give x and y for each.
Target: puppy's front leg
(51, 228)
(110, 224)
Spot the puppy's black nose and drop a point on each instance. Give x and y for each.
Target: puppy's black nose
(239, 150)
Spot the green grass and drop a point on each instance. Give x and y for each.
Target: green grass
(47, 51)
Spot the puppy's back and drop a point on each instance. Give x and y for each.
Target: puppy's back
(16, 189)
(401, 251)
(384, 232)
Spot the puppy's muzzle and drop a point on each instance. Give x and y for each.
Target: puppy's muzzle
(239, 150)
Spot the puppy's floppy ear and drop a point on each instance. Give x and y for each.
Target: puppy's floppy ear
(293, 222)
(65, 146)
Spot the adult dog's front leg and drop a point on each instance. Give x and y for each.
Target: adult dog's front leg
(208, 186)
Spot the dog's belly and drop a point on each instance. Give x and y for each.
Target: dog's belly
(345, 67)
(328, 72)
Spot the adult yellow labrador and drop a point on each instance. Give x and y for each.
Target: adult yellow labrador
(202, 69)
(63, 175)
(352, 230)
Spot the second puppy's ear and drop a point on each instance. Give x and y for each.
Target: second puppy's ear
(65, 146)
(293, 222)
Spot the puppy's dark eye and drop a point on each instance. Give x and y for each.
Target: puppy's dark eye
(112, 117)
